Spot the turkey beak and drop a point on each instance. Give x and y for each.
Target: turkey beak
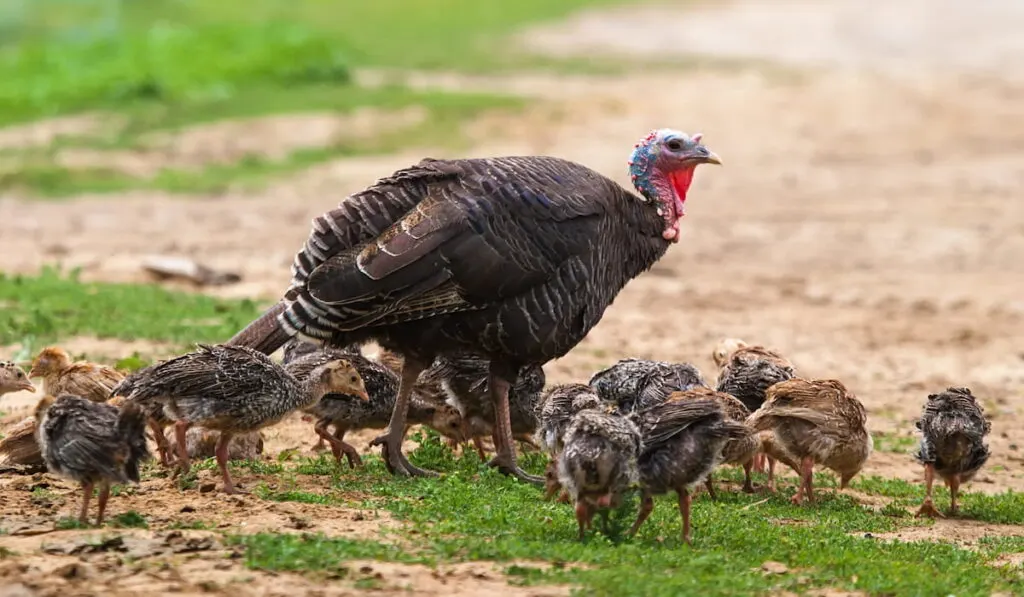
(706, 156)
(26, 386)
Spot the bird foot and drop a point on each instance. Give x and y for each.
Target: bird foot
(508, 467)
(928, 509)
(797, 499)
(395, 461)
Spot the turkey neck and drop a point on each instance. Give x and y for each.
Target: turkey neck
(306, 393)
(645, 228)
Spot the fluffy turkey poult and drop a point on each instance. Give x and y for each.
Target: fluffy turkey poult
(807, 422)
(234, 390)
(738, 450)
(13, 379)
(91, 442)
(558, 405)
(464, 381)
(598, 462)
(953, 429)
(62, 376)
(636, 384)
(513, 259)
(346, 412)
(683, 440)
(747, 372)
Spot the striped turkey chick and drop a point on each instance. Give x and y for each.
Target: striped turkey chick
(13, 379)
(598, 462)
(464, 381)
(738, 450)
(346, 412)
(558, 405)
(953, 429)
(60, 375)
(91, 442)
(636, 384)
(747, 372)
(683, 441)
(235, 390)
(807, 422)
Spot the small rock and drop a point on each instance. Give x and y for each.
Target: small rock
(74, 571)
(771, 567)
(187, 509)
(299, 522)
(207, 487)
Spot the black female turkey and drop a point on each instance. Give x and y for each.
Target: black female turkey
(514, 259)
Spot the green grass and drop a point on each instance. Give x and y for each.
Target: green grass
(473, 513)
(165, 64)
(45, 308)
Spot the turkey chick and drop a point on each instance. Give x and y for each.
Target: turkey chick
(202, 443)
(636, 384)
(62, 376)
(91, 442)
(598, 462)
(558, 405)
(235, 390)
(13, 379)
(953, 429)
(807, 422)
(683, 441)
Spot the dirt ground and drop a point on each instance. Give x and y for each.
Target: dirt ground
(867, 221)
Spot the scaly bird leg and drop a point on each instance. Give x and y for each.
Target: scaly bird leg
(391, 441)
(163, 448)
(338, 445)
(478, 443)
(180, 431)
(583, 516)
(748, 484)
(808, 476)
(83, 516)
(646, 506)
(770, 486)
(684, 512)
(505, 457)
(759, 462)
(710, 484)
(928, 507)
(954, 489)
(104, 496)
(221, 452)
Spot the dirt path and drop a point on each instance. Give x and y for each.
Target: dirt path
(866, 223)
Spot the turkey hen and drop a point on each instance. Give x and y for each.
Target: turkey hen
(513, 259)
(953, 429)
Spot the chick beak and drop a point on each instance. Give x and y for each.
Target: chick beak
(27, 386)
(363, 395)
(34, 372)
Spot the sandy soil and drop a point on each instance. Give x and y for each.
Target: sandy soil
(867, 221)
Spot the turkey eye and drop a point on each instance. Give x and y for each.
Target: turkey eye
(352, 380)
(675, 144)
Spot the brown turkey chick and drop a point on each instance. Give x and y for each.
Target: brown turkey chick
(739, 450)
(234, 390)
(598, 462)
(19, 449)
(558, 404)
(91, 442)
(13, 379)
(807, 422)
(683, 440)
(62, 376)
(202, 443)
(953, 429)
(347, 413)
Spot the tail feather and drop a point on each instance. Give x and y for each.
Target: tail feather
(131, 426)
(265, 334)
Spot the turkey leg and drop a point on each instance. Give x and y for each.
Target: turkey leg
(221, 452)
(104, 496)
(391, 441)
(338, 445)
(505, 453)
(928, 507)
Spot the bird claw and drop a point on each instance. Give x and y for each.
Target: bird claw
(396, 462)
(928, 509)
(513, 470)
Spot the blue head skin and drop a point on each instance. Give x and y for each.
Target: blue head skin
(661, 169)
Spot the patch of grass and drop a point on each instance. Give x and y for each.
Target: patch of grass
(69, 524)
(130, 520)
(198, 525)
(474, 513)
(897, 443)
(51, 306)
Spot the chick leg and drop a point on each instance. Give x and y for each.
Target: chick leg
(338, 445)
(163, 448)
(505, 457)
(180, 431)
(583, 516)
(684, 512)
(748, 484)
(710, 484)
(646, 506)
(759, 462)
(221, 452)
(391, 441)
(954, 489)
(83, 515)
(770, 485)
(478, 443)
(928, 507)
(806, 472)
(104, 496)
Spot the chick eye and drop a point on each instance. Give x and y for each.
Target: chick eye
(352, 380)
(674, 144)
